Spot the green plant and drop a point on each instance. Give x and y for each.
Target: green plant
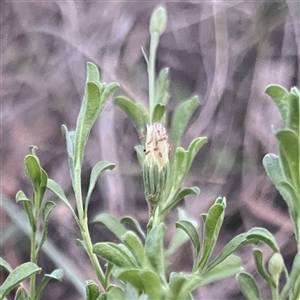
(138, 266)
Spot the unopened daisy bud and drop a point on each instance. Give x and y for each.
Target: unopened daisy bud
(276, 265)
(155, 169)
(158, 21)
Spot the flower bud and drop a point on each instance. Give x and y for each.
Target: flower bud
(158, 21)
(276, 264)
(156, 164)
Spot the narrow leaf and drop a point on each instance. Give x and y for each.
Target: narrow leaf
(19, 274)
(258, 258)
(92, 72)
(113, 253)
(212, 228)
(191, 231)
(181, 118)
(248, 286)
(46, 212)
(57, 190)
(33, 170)
(162, 87)
(100, 167)
(111, 223)
(92, 290)
(70, 140)
(158, 113)
(133, 111)
(231, 266)
(133, 222)
(135, 245)
(4, 264)
(154, 247)
(279, 95)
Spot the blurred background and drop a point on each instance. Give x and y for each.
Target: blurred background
(226, 52)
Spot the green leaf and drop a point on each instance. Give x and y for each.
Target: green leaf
(136, 113)
(90, 109)
(17, 276)
(131, 293)
(114, 293)
(290, 283)
(158, 113)
(289, 155)
(154, 247)
(180, 237)
(212, 228)
(179, 196)
(162, 87)
(183, 161)
(92, 72)
(70, 140)
(181, 118)
(49, 205)
(111, 223)
(4, 264)
(181, 285)
(28, 208)
(92, 290)
(253, 236)
(272, 166)
(279, 95)
(258, 258)
(33, 170)
(135, 245)
(114, 253)
(263, 235)
(133, 276)
(57, 190)
(108, 92)
(21, 294)
(133, 222)
(294, 113)
(191, 231)
(56, 274)
(100, 167)
(227, 268)
(248, 286)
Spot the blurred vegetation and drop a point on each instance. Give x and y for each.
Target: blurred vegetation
(226, 52)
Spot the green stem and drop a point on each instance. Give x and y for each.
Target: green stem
(83, 224)
(33, 258)
(33, 248)
(151, 72)
(89, 249)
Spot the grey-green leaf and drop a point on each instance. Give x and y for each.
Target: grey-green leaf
(4, 264)
(181, 118)
(100, 167)
(154, 247)
(135, 112)
(19, 274)
(248, 286)
(49, 205)
(92, 290)
(33, 170)
(132, 221)
(135, 245)
(279, 95)
(191, 231)
(231, 266)
(57, 190)
(21, 294)
(114, 253)
(258, 258)
(92, 72)
(70, 141)
(158, 113)
(212, 228)
(111, 223)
